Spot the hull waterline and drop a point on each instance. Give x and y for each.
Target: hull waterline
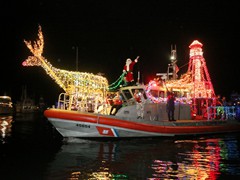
(91, 125)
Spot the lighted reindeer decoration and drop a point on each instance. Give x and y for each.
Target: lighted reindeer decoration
(79, 87)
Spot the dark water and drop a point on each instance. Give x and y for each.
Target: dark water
(31, 149)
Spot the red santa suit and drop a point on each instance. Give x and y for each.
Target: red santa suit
(128, 68)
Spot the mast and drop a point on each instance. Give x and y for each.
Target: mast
(172, 67)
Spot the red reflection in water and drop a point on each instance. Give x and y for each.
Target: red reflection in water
(203, 162)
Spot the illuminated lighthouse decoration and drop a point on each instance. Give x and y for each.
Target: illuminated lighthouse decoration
(202, 89)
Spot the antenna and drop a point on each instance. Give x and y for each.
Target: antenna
(173, 66)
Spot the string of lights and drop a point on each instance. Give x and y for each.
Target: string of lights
(78, 85)
(115, 85)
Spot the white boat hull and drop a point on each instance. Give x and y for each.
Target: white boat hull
(75, 129)
(91, 125)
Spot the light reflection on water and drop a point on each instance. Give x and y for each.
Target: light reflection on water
(153, 159)
(31, 140)
(203, 159)
(5, 127)
(210, 157)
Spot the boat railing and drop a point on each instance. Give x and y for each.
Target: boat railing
(66, 101)
(222, 112)
(63, 101)
(70, 102)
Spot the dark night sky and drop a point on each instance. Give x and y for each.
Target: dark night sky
(109, 32)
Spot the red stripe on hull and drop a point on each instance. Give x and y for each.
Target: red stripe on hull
(118, 123)
(169, 129)
(70, 115)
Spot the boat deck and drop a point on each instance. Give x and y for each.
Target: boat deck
(203, 122)
(198, 122)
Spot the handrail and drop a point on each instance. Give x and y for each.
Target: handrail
(221, 112)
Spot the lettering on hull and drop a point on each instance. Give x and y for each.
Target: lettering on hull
(83, 125)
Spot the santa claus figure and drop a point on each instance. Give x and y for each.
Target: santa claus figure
(128, 69)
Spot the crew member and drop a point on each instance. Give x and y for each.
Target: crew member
(139, 103)
(117, 103)
(170, 106)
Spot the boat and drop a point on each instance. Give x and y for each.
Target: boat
(26, 103)
(72, 123)
(83, 112)
(6, 105)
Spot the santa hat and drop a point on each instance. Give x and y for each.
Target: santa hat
(128, 60)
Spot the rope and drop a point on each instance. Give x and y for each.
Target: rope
(183, 65)
(117, 83)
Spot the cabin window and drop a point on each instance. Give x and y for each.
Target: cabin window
(157, 94)
(127, 94)
(141, 91)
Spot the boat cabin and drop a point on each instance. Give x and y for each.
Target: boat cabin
(127, 94)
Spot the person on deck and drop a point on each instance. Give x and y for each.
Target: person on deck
(128, 69)
(170, 106)
(218, 100)
(224, 101)
(219, 107)
(117, 103)
(224, 108)
(140, 103)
